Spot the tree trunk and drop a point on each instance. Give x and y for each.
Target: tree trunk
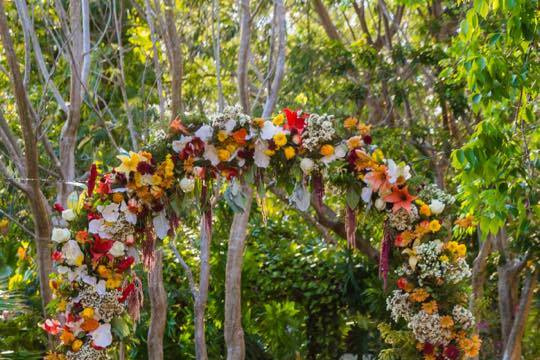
(202, 295)
(158, 306)
(513, 345)
(234, 333)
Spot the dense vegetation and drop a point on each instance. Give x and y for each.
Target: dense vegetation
(449, 87)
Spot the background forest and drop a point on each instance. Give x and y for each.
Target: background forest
(450, 87)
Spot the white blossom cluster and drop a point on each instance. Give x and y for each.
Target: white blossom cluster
(432, 192)
(463, 317)
(319, 130)
(229, 118)
(427, 329)
(87, 352)
(403, 219)
(399, 305)
(430, 265)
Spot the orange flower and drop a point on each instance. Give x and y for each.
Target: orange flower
(81, 236)
(327, 150)
(419, 295)
(430, 307)
(466, 222)
(425, 210)
(89, 325)
(363, 160)
(240, 136)
(447, 321)
(471, 347)
(67, 337)
(400, 198)
(177, 127)
(350, 122)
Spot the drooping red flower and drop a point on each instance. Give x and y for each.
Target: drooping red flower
(400, 198)
(104, 187)
(295, 123)
(126, 292)
(125, 264)
(58, 207)
(92, 180)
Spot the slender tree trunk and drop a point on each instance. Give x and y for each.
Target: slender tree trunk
(234, 333)
(201, 299)
(243, 55)
(158, 308)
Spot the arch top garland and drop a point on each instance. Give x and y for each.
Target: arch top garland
(97, 294)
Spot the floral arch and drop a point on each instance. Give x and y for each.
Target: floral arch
(117, 220)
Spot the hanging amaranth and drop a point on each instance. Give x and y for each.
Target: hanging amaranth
(384, 259)
(350, 226)
(318, 188)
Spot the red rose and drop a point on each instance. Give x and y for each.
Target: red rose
(402, 283)
(56, 256)
(125, 264)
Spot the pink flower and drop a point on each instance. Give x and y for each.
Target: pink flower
(51, 326)
(377, 179)
(400, 198)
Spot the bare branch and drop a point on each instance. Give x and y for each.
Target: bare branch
(187, 269)
(280, 61)
(175, 59)
(243, 55)
(28, 27)
(326, 21)
(18, 223)
(216, 34)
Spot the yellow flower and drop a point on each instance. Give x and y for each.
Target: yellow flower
(350, 122)
(21, 253)
(461, 250)
(231, 148)
(222, 135)
(79, 260)
(4, 223)
(280, 139)
(259, 122)
(289, 152)
(62, 305)
(434, 225)
(269, 152)
(103, 271)
(76, 346)
(447, 321)
(430, 307)
(117, 197)
(354, 142)
(378, 155)
(156, 180)
(327, 150)
(223, 154)
(425, 210)
(466, 222)
(114, 282)
(129, 162)
(278, 119)
(87, 313)
(444, 258)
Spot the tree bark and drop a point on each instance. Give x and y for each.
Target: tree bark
(234, 333)
(201, 299)
(175, 60)
(158, 306)
(513, 345)
(326, 21)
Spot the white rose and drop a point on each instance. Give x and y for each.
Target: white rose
(60, 235)
(187, 185)
(72, 253)
(436, 207)
(269, 130)
(117, 249)
(260, 158)
(307, 165)
(102, 336)
(380, 204)
(68, 214)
